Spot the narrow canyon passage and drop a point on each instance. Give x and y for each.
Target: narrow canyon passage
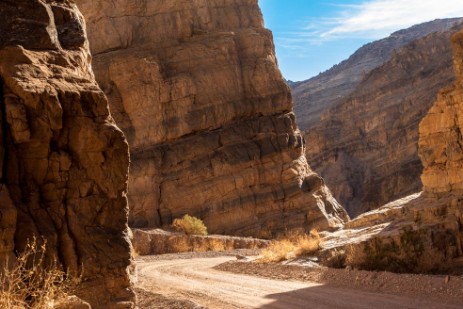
(196, 280)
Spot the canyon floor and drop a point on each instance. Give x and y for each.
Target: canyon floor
(213, 280)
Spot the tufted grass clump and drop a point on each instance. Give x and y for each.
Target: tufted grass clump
(290, 247)
(191, 225)
(31, 285)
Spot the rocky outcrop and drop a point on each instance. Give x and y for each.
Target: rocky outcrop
(366, 147)
(64, 163)
(196, 88)
(419, 234)
(422, 232)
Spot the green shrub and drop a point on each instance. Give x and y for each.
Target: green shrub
(190, 225)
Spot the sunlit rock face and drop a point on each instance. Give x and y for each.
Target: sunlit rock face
(440, 142)
(196, 88)
(421, 232)
(365, 143)
(64, 163)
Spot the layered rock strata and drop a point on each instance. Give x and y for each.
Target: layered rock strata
(64, 163)
(366, 148)
(314, 96)
(196, 88)
(422, 232)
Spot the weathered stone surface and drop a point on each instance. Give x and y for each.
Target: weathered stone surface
(8, 215)
(64, 163)
(196, 88)
(441, 149)
(149, 242)
(415, 234)
(422, 232)
(365, 146)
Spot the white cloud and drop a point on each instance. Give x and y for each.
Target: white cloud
(369, 20)
(378, 18)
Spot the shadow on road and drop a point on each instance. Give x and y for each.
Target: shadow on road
(328, 297)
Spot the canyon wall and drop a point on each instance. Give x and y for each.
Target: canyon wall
(422, 232)
(196, 88)
(441, 149)
(64, 163)
(366, 146)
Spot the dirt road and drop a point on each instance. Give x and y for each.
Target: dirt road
(196, 280)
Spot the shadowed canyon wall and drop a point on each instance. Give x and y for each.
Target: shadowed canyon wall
(64, 163)
(366, 145)
(196, 88)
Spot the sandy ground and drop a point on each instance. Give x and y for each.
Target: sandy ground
(186, 281)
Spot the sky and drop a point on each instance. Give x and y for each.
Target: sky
(312, 35)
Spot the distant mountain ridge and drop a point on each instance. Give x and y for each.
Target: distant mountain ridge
(317, 94)
(361, 126)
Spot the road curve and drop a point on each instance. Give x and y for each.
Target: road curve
(196, 280)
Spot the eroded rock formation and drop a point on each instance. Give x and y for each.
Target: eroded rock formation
(196, 88)
(441, 148)
(366, 146)
(422, 232)
(64, 163)
(314, 96)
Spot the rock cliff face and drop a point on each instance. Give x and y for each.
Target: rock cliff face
(440, 142)
(196, 88)
(422, 232)
(64, 163)
(366, 147)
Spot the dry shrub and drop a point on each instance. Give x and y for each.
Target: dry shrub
(29, 284)
(291, 246)
(407, 253)
(355, 256)
(190, 225)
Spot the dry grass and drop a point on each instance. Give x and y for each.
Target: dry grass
(190, 225)
(31, 285)
(291, 246)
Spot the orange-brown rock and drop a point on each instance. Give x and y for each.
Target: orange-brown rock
(64, 163)
(422, 232)
(149, 242)
(366, 145)
(441, 149)
(196, 88)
